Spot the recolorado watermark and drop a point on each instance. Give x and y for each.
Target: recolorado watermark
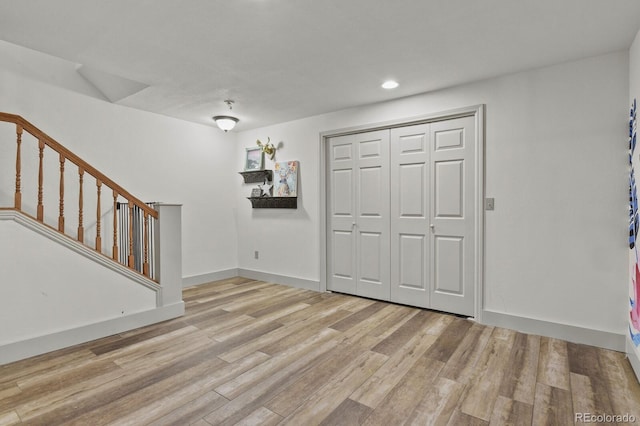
(604, 418)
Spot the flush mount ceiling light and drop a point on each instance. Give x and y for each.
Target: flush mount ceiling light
(390, 84)
(226, 122)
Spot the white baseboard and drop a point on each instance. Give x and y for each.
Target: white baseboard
(632, 354)
(586, 336)
(39, 345)
(280, 279)
(207, 278)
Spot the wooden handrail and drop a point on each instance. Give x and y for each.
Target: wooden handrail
(137, 256)
(53, 144)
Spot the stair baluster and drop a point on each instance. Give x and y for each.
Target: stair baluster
(98, 219)
(145, 265)
(131, 256)
(80, 205)
(18, 195)
(61, 216)
(40, 213)
(114, 250)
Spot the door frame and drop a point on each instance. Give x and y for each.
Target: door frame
(476, 111)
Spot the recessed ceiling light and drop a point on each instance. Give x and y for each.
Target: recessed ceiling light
(390, 84)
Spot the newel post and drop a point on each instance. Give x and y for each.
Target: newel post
(168, 252)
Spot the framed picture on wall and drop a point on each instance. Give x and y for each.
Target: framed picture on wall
(254, 159)
(285, 179)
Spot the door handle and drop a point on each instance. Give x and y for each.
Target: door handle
(432, 226)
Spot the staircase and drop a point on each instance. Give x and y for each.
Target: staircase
(108, 266)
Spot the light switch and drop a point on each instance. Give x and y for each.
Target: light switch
(489, 203)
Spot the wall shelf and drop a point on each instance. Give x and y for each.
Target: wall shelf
(257, 176)
(274, 202)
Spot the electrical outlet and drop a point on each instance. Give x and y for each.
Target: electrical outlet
(256, 254)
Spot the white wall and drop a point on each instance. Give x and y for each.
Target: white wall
(155, 157)
(555, 152)
(47, 288)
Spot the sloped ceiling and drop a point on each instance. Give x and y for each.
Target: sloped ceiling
(281, 60)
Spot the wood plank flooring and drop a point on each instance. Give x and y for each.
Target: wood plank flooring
(253, 353)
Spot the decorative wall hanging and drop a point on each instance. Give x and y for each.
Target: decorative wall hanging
(266, 189)
(254, 159)
(277, 190)
(634, 222)
(267, 148)
(285, 179)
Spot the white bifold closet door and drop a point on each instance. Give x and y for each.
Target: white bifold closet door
(402, 215)
(433, 215)
(358, 238)
(410, 200)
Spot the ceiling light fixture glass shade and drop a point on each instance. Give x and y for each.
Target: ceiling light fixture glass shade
(390, 84)
(225, 122)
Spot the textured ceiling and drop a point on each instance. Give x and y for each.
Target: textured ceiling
(286, 59)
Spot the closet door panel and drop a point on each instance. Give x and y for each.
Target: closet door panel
(449, 265)
(409, 215)
(371, 202)
(370, 258)
(372, 207)
(412, 265)
(412, 190)
(452, 199)
(449, 195)
(358, 185)
(341, 188)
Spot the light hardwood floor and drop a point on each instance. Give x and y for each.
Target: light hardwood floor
(254, 353)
